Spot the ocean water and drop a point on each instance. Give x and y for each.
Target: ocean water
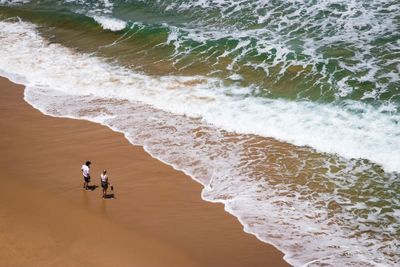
(285, 111)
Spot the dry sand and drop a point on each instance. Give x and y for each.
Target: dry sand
(156, 219)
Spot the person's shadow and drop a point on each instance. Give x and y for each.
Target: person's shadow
(107, 196)
(92, 187)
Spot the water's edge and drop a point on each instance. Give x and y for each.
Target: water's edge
(245, 229)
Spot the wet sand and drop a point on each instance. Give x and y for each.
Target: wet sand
(157, 217)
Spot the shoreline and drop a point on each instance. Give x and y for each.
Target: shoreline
(156, 204)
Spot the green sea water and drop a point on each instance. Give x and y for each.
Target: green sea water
(325, 52)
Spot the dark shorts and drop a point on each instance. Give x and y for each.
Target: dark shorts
(86, 179)
(104, 185)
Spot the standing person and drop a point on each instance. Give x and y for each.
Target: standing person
(104, 182)
(86, 174)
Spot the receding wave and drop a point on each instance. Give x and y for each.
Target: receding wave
(319, 208)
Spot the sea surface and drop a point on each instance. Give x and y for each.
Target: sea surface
(286, 111)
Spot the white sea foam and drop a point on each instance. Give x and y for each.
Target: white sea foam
(353, 130)
(14, 2)
(109, 23)
(93, 7)
(275, 205)
(308, 30)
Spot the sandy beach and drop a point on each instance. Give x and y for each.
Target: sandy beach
(157, 217)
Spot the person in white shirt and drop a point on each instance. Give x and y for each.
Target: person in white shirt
(86, 174)
(104, 182)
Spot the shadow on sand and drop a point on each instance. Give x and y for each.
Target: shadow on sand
(107, 196)
(91, 187)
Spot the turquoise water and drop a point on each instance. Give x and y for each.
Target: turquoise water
(286, 111)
